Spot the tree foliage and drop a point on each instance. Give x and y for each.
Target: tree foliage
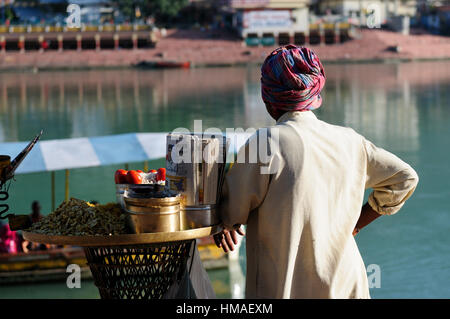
(160, 9)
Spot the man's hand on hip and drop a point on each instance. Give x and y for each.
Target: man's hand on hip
(227, 239)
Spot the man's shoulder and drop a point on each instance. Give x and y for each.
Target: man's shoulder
(316, 125)
(340, 130)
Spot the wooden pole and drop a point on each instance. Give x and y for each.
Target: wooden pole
(321, 34)
(97, 42)
(53, 189)
(66, 197)
(60, 43)
(307, 38)
(21, 44)
(291, 38)
(41, 43)
(3, 44)
(134, 38)
(116, 41)
(79, 39)
(337, 33)
(145, 166)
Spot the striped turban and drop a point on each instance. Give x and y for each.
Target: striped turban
(291, 80)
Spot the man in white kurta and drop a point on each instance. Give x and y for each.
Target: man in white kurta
(301, 215)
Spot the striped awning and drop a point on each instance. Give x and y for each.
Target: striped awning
(52, 155)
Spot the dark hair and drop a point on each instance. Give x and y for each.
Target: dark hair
(35, 204)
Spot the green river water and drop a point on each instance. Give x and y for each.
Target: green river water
(404, 108)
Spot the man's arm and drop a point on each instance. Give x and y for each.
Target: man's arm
(244, 190)
(367, 216)
(393, 181)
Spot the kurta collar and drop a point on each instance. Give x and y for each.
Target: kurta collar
(296, 115)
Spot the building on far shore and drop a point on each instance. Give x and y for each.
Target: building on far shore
(361, 11)
(272, 21)
(435, 18)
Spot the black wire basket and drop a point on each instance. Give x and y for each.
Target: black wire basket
(138, 271)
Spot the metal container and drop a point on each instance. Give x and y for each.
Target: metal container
(153, 215)
(198, 216)
(120, 192)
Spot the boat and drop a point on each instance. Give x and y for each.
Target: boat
(41, 266)
(163, 65)
(51, 265)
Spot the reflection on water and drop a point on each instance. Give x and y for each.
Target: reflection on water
(402, 107)
(89, 103)
(93, 103)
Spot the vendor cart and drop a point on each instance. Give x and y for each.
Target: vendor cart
(136, 266)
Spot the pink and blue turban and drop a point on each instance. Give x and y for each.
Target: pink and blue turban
(292, 78)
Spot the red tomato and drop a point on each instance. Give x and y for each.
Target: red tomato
(139, 171)
(120, 177)
(152, 171)
(134, 177)
(161, 176)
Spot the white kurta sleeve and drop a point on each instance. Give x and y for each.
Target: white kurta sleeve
(393, 181)
(244, 188)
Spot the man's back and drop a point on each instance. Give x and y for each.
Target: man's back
(301, 216)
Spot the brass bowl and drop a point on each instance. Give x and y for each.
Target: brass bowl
(152, 215)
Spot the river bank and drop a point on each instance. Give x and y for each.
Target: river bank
(209, 48)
